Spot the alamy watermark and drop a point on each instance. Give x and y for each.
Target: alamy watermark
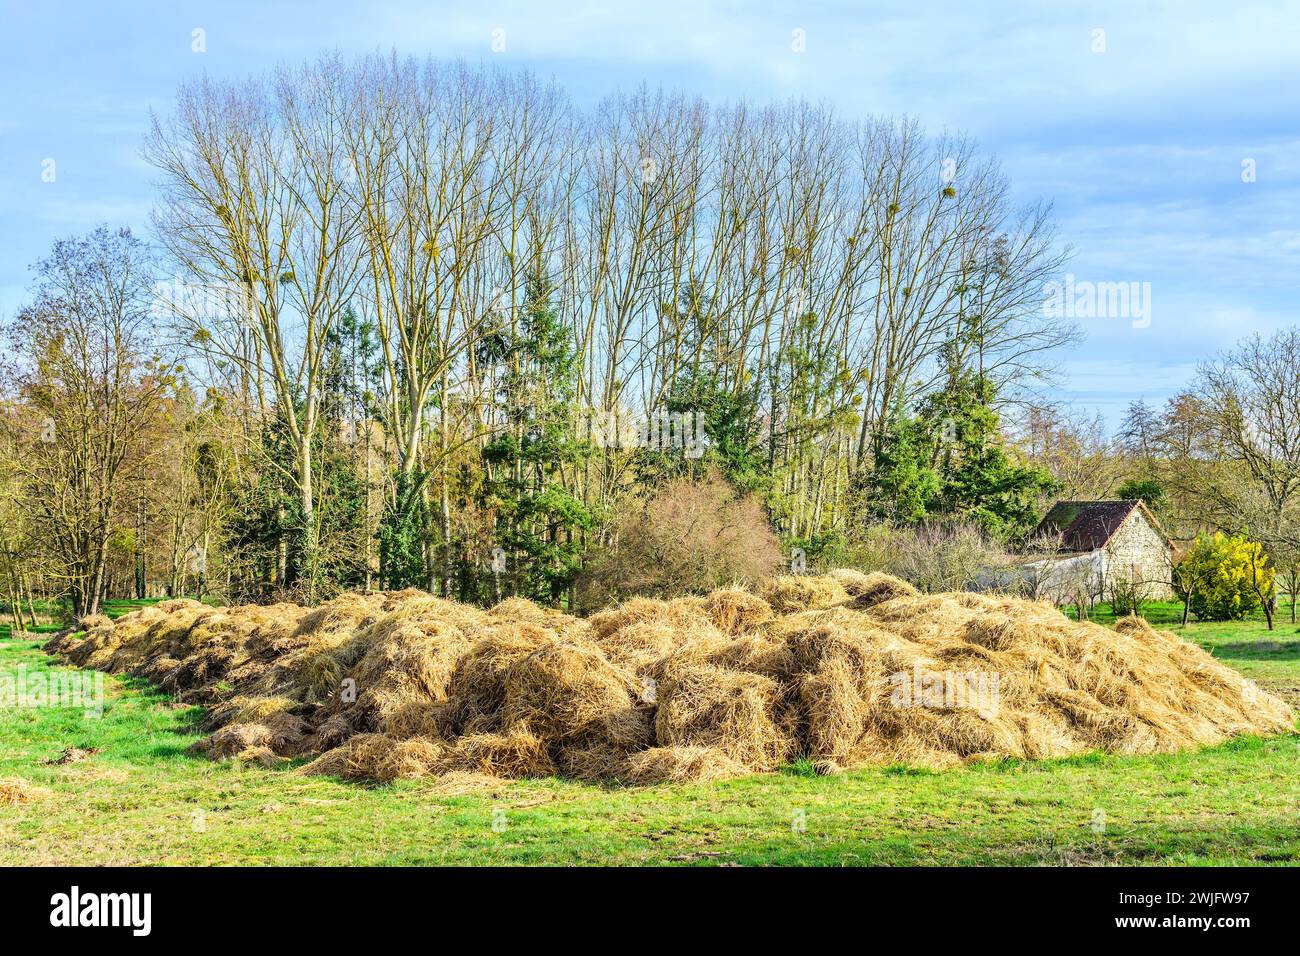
(1084, 299)
(620, 428)
(133, 911)
(73, 689)
(203, 302)
(946, 690)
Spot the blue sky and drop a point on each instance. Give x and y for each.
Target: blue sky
(1140, 147)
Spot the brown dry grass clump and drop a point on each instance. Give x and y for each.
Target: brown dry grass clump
(478, 686)
(16, 790)
(845, 669)
(735, 611)
(569, 691)
(411, 655)
(734, 712)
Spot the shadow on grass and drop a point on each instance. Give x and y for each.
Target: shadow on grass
(170, 751)
(1261, 650)
(1141, 844)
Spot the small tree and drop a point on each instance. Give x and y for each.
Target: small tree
(950, 462)
(1288, 567)
(1189, 579)
(689, 538)
(1224, 578)
(1262, 581)
(93, 387)
(1126, 593)
(539, 520)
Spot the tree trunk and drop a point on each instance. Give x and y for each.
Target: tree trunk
(139, 549)
(31, 603)
(203, 568)
(97, 578)
(281, 569)
(15, 602)
(308, 558)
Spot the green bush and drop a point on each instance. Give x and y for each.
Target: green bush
(1225, 576)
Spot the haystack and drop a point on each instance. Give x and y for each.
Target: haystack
(734, 712)
(679, 614)
(478, 685)
(735, 611)
(412, 655)
(846, 669)
(565, 690)
(358, 757)
(872, 588)
(409, 759)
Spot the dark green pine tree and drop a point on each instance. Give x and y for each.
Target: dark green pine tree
(727, 429)
(724, 433)
(538, 521)
(267, 516)
(341, 491)
(903, 486)
(948, 461)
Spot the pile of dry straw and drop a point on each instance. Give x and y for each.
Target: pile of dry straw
(845, 669)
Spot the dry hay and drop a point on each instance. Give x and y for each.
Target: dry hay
(358, 757)
(704, 705)
(639, 646)
(680, 764)
(16, 790)
(872, 588)
(803, 592)
(478, 685)
(845, 669)
(412, 653)
(518, 753)
(735, 611)
(680, 614)
(567, 690)
(852, 580)
(72, 755)
(519, 609)
(233, 740)
(280, 732)
(408, 759)
(246, 710)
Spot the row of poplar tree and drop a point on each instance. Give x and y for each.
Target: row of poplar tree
(388, 307)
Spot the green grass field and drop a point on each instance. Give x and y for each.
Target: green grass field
(141, 799)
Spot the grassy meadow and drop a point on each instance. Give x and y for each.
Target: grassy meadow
(142, 800)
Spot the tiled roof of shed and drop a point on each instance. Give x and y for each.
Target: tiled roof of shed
(1087, 525)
